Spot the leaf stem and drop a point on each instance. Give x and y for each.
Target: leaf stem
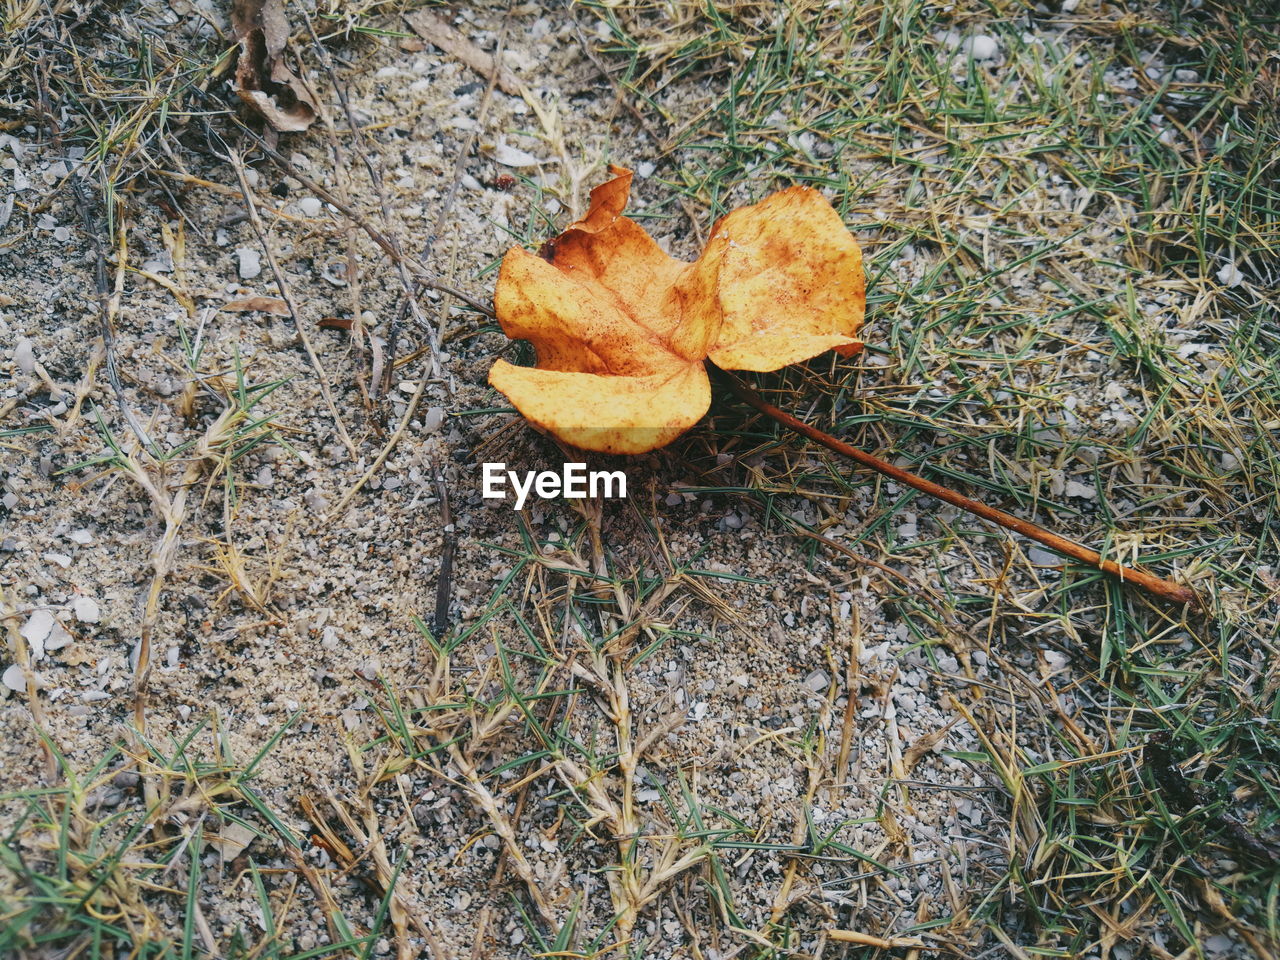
(1166, 589)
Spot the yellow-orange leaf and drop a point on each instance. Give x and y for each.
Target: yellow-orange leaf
(622, 331)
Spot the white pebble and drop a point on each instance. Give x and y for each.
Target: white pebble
(24, 355)
(62, 234)
(433, 420)
(250, 263)
(982, 47)
(1230, 275)
(817, 681)
(1077, 489)
(1043, 558)
(59, 559)
(1069, 6)
(86, 609)
(15, 680)
(36, 630)
(82, 537)
(58, 637)
(310, 206)
(1056, 659)
(510, 156)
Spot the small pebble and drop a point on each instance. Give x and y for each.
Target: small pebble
(982, 47)
(82, 537)
(36, 630)
(310, 206)
(817, 681)
(24, 355)
(1077, 489)
(1043, 558)
(86, 609)
(250, 263)
(59, 559)
(433, 420)
(16, 681)
(510, 156)
(58, 638)
(1230, 276)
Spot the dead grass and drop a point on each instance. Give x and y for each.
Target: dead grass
(1038, 231)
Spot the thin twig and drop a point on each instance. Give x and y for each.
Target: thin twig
(423, 274)
(384, 452)
(1165, 589)
(444, 584)
(662, 143)
(237, 164)
(343, 180)
(397, 257)
(108, 305)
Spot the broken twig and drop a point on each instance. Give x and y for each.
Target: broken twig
(1165, 589)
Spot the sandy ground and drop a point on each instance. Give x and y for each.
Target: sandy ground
(784, 683)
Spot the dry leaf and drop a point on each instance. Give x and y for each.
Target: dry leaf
(263, 81)
(925, 744)
(622, 331)
(258, 304)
